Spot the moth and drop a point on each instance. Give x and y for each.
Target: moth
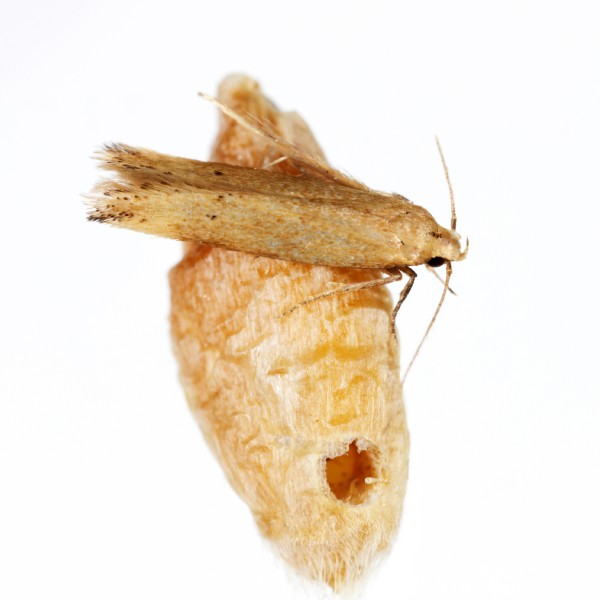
(319, 216)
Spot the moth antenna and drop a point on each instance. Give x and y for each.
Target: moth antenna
(453, 208)
(435, 314)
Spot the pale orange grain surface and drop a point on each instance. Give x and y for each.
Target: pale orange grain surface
(279, 398)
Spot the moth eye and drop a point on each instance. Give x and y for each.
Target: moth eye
(436, 261)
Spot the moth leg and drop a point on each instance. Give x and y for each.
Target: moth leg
(403, 294)
(275, 162)
(436, 275)
(396, 275)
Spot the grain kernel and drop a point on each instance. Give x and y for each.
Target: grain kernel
(305, 412)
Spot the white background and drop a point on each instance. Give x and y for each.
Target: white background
(107, 488)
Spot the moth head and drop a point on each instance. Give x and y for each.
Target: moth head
(442, 245)
(438, 261)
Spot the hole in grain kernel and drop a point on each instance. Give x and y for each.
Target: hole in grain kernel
(350, 475)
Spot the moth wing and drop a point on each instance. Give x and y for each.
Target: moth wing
(162, 195)
(137, 170)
